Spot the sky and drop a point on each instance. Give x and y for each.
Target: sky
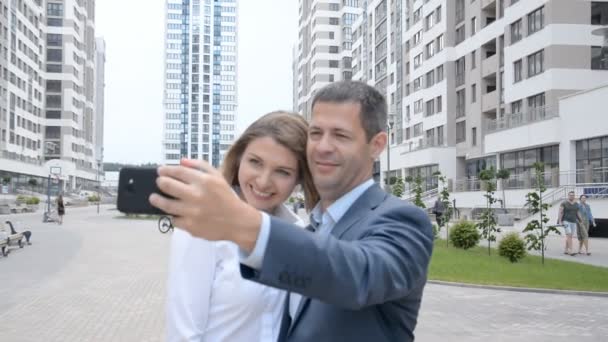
(134, 34)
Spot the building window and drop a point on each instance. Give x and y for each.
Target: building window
(430, 50)
(536, 102)
(516, 33)
(461, 131)
(417, 61)
(536, 63)
(440, 43)
(536, 20)
(430, 78)
(592, 154)
(54, 10)
(54, 55)
(430, 108)
(473, 59)
(474, 136)
(516, 107)
(430, 21)
(460, 103)
(474, 93)
(599, 13)
(459, 35)
(459, 11)
(473, 26)
(460, 70)
(599, 58)
(440, 73)
(417, 130)
(440, 136)
(439, 105)
(517, 71)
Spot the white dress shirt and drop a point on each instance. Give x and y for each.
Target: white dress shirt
(208, 300)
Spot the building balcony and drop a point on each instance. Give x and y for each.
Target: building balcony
(522, 130)
(489, 66)
(489, 101)
(488, 5)
(520, 119)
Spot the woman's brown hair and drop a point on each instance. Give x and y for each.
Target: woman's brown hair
(290, 130)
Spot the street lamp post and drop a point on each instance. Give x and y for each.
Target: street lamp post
(391, 122)
(98, 186)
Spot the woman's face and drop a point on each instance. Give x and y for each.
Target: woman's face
(268, 172)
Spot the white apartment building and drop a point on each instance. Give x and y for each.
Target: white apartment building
(47, 92)
(324, 51)
(481, 75)
(200, 98)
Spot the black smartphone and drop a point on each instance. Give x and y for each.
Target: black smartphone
(135, 185)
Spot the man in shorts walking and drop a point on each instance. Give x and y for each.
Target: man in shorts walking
(569, 217)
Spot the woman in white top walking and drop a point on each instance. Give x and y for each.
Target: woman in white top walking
(207, 298)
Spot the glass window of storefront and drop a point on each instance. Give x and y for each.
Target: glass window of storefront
(429, 181)
(519, 162)
(592, 160)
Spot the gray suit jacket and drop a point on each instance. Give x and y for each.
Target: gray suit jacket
(362, 283)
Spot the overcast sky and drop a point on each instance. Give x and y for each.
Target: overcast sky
(134, 31)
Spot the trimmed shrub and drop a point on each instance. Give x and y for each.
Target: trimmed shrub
(512, 247)
(32, 200)
(464, 235)
(93, 198)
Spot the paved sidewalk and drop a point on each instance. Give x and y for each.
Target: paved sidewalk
(97, 278)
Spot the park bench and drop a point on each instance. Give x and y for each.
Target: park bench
(11, 238)
(26, 233)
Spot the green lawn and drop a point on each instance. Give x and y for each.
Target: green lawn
(476, 267)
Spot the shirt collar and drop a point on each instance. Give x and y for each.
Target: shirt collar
(340, 206)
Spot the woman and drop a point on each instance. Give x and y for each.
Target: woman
(60, 208)
(587, 221)
(208, 300)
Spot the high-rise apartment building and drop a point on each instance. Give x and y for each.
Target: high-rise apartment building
(200, 98)
(480, 80)
(47, 92)
(324, 51)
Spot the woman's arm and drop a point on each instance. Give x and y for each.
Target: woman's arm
(191, 273)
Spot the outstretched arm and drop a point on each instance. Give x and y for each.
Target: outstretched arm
(387, 263)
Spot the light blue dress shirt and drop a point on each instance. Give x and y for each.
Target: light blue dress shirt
(324, 222)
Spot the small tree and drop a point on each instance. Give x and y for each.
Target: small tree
(397, 187)
(416, 185)
(488, 224)
(444, 196)
(536, 229)
(6, 180)
(503, 175)
(32, 183)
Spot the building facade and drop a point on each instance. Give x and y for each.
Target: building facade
(48, 91)
(200, 98)
(473, 74)
(324, 51)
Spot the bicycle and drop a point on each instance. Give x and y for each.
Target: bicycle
(165, 224)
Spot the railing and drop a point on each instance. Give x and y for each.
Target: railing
(421, 144)
(513, 120)
(551, 179)
(21, 158)
(426, 197)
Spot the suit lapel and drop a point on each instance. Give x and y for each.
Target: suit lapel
(369, 200)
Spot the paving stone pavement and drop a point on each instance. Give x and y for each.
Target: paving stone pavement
(97, 278)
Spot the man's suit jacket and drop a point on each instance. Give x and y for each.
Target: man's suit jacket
(363, 282)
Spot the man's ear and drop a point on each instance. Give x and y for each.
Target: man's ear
(377, 144)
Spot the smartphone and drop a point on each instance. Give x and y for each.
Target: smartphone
(135, 185)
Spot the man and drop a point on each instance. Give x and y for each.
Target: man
(569, 217)
(361, 274)
(438, 210)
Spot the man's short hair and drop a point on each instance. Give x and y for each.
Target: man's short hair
(373, 113)
(571, 192)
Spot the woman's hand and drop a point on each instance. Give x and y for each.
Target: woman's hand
(205, 205)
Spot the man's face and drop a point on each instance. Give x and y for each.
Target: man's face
(339, 155)
(571, 197)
